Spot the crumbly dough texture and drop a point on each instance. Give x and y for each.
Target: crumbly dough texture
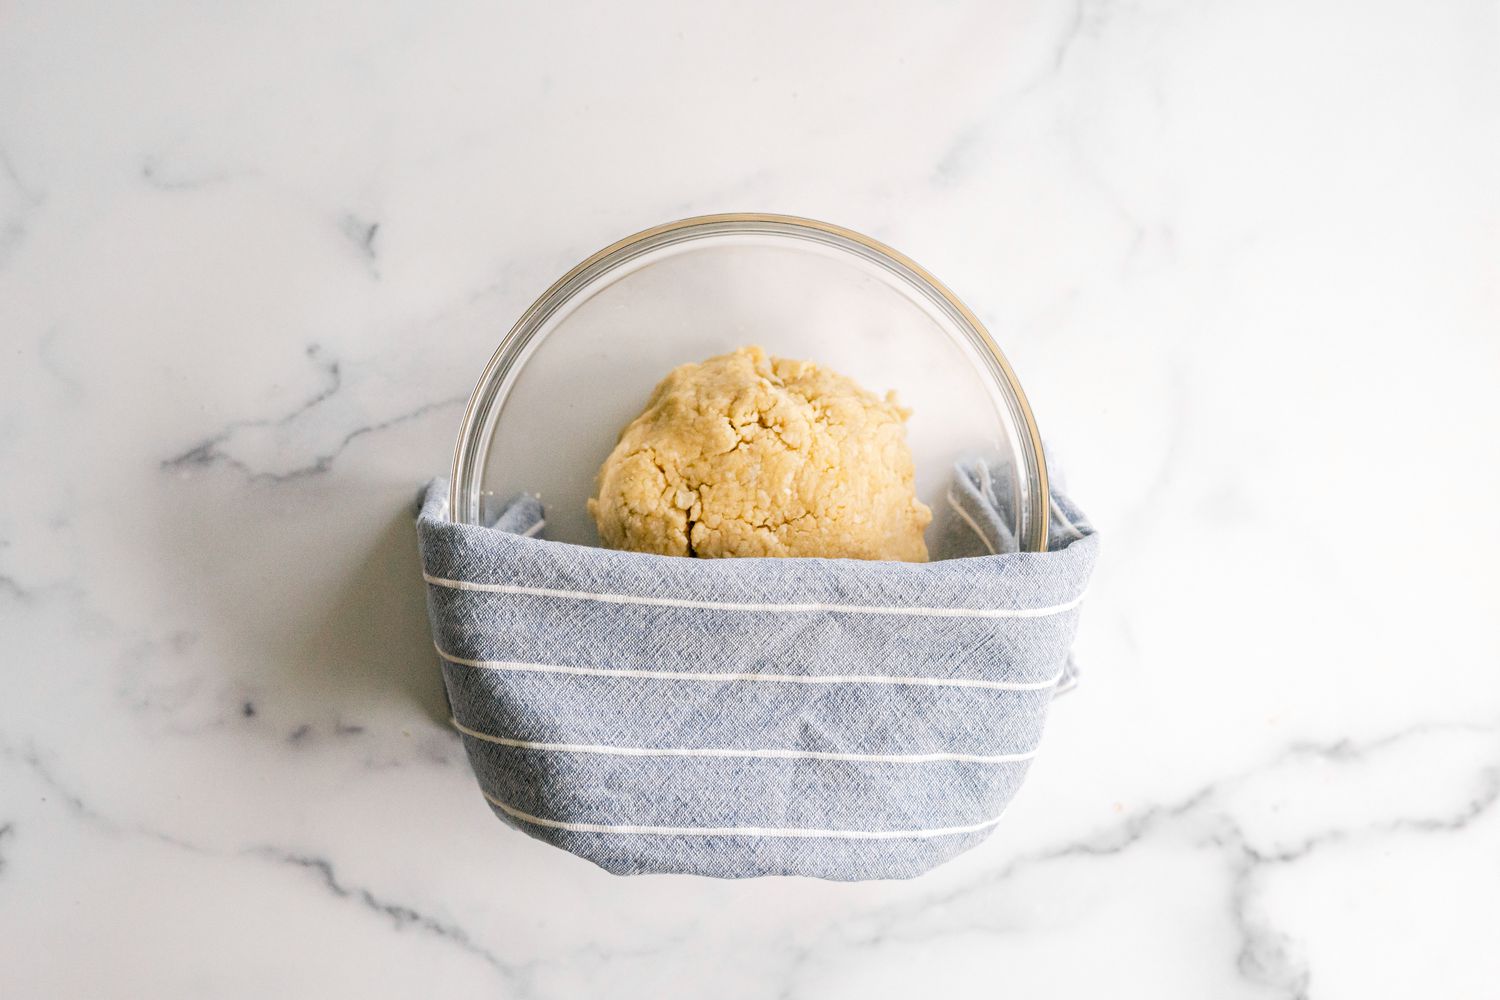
(748, 455)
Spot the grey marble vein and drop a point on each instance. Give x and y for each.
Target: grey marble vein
(13, 229)
(1267, 956)
(30, 195)
(1072, 31)
(33, 759)
(12, 588)
(323, 462)
(214, 450)
(207, 452)
(159, 177)
(362, 233)
(400, 915)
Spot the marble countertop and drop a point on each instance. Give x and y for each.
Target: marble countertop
(1242, 255)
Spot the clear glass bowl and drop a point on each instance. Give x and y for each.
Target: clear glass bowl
(581, 362)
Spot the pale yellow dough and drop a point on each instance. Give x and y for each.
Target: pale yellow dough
(746, 455)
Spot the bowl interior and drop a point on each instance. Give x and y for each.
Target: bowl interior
(587, 366)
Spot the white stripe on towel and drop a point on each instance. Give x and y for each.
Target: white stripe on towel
(870, 758)
(684, 675)
(738, 831)
(673, 602)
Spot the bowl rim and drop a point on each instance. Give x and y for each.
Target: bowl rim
(472, 447)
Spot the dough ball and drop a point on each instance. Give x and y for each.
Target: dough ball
(746, 455)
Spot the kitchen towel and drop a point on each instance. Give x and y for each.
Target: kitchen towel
(742, 717)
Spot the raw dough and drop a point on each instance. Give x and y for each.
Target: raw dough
(745, 455)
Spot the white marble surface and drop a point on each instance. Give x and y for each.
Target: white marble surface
(1243, 255)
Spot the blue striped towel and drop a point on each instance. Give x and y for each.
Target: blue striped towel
(742, 717)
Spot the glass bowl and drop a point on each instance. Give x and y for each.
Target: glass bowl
(581, 362)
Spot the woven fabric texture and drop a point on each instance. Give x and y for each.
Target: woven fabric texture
(743, 717)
